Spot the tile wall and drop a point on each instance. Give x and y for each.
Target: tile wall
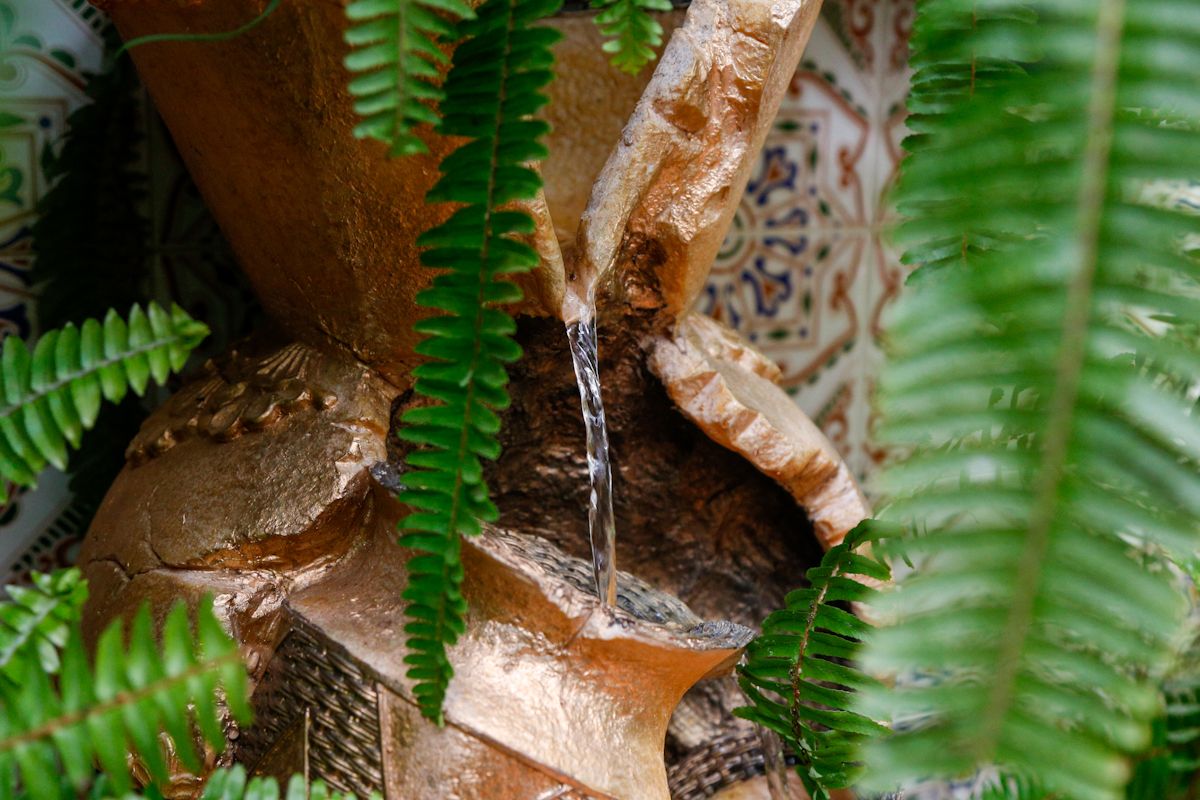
(806, 270)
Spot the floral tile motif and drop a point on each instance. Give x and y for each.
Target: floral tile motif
(45, 49)
(807, 272)
(796, 295)
(855, 24)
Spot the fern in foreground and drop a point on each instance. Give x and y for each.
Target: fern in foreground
(492, 92)
(634, 34)
(799, 674)
(50, 396)
(36, 622)
(1010, 788)
(396, 58)
(231, 784)
(1039, 601)
(102, 713)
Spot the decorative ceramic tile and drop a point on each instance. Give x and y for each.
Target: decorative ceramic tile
(46, 47)
(806, 272)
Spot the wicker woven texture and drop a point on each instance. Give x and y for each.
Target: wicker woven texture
(309, 673)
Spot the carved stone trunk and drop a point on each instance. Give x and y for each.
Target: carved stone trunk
(266, 479)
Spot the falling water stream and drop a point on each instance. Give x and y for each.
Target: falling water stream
(601, 525)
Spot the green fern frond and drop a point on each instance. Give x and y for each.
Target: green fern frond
(799, 674)
(634, 34)
(1008, 787)
(1039, 599)
(134, 691)
(38, 619)
(949, 80)
(50, 396)
(231, 784)
(492, 92)
(396, 58)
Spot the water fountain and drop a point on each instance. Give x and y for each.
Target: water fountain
(602, 524)
(265, 480)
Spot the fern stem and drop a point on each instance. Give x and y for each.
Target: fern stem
(464, 451)
(1093, 194)
(219, 36)
(118, 701)
(796, 672)
(71, 377)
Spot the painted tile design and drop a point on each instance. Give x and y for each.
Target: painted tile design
(806, 272)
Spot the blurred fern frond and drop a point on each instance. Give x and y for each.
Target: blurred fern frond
(135, 690)
(396, 60)
(1039, 600)
(36, 621)
(50, 396)
(634, 34)
(1008, 787)
(491, 94)
(799, 674)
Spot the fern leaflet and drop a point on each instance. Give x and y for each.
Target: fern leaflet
(1084, 476)
(119, 706)
(1010, 787)
(492, 91)
(36, 622)
(231, 784)
(396, 58)
(797, 673)
(634, 34)
(50, 396)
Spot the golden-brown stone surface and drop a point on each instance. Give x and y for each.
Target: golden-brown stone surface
(544, 672)
(726, 388)
(324, 224)
(277, 498)
(670, 188)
